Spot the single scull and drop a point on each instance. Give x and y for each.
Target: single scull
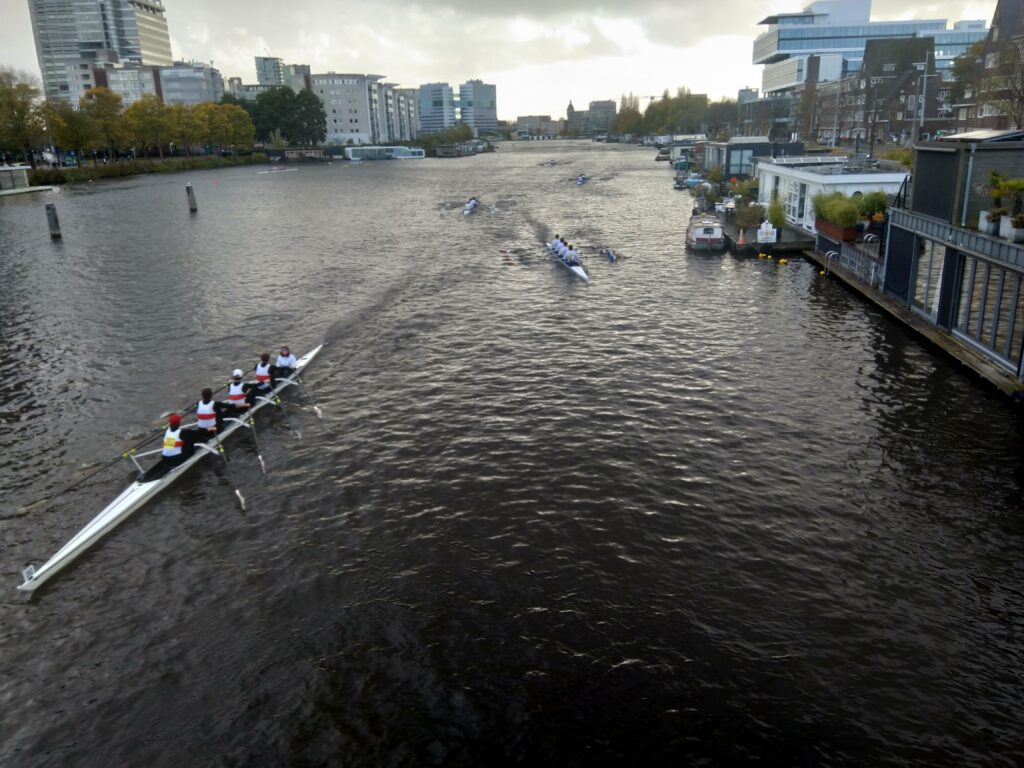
(138, 493)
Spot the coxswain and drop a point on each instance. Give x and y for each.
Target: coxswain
(208, 414)
(262, 385)
(236, 402)
(173, 453)
(283, 367)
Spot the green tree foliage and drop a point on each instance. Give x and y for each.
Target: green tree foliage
(629, 119)
(453, 135)
(22, 117)
(104, 108)
(722, 116)
(188, 128)
(968, 71)
(146, 123)
(71, 128)
(300, 117)
(310, 119)
(1003, 87)
(683, 113)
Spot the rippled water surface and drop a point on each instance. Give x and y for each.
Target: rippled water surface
(701, 510)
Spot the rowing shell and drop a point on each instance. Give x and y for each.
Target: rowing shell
(138, 493)
(576, 269)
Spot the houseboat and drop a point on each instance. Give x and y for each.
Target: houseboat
(383, 153)
(705, 233)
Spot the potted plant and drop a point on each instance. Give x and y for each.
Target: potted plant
(836, 216)
(1013, 192)
(988, 220)
(1016, 228)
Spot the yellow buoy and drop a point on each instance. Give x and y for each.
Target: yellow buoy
(770, 256)
(822, 273)
(783, 261)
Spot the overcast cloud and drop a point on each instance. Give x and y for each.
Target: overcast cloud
(539, 53)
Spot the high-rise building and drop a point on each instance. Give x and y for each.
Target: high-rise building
(191, 82)
(437, 107)
(350, 103)
(600, 117)
(270, 71)
(70, 32)
(296, 76)
(836, 31)
(478, 106)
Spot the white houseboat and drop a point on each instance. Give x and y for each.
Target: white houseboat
(383, 153)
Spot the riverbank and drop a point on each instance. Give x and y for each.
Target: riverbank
(60, 176)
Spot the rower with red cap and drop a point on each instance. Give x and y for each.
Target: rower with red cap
(179, 445)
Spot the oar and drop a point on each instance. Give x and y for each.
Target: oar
(227, 471)
(259, 454)
(302, 389)
(101, 468)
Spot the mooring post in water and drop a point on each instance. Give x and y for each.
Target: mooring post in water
(51, 218)
(192, 207)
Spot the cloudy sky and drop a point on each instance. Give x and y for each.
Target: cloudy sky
(539, 53)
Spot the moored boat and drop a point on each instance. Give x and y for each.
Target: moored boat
(705, 233)
(141, 491)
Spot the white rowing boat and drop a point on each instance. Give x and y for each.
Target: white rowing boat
(576, 269)
(138, 493)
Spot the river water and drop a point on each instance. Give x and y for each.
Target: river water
(702, 510)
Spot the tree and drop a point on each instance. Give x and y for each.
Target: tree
(310, 118)
(146, 124)
(242, 130)
(103, 106)
(1004, 81)
(22, 119)
(71, 128)
(275, 111)
(968, 71)
(629, 119)
(187, 126)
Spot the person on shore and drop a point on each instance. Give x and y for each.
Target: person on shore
(283, 367)
(262, 385)
(237, 403)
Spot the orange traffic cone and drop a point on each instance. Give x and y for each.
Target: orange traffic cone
(742, 240)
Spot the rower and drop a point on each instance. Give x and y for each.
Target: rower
(581, 179)
(283, 367)
(208, 414)
(262, 385)
(236, 403)
(175, 450)
(553, 245)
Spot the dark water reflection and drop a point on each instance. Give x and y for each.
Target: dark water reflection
(699, 511)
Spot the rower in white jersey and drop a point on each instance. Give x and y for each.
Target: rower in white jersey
(284, 366)
(236, 403)
(262, 385)
(207, 413)
(553, 245)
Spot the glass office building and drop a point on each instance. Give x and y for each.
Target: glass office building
(68, 32)
(837, 31)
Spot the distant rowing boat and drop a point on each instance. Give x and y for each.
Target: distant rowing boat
(278, 170)
(576, 269)
(138, 493)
